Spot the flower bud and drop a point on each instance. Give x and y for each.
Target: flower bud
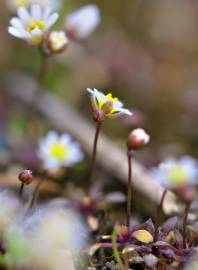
(98, 116)
(57, 41)
(137, 139)
(186, 193)
(25, 177)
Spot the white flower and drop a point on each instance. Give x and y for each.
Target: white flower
(57, 237)
(137, 139)
(110, 106)
(14, 4)
(173, 173)
(81, 23)
(31, 25)
(57, 41)
(56, 151)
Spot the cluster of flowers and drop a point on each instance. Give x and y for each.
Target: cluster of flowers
(33, 25)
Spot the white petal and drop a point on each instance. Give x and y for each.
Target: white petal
(36, 33)
(47, 12)
(24, 14)
(51, 20)
(16, 22)
(14, 32)
(36, 12)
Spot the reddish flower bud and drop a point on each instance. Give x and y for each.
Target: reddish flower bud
(137, 139)
(26, 177)
(98, 116)
(186, 193)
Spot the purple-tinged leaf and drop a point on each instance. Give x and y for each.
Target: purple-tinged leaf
(150, 226)
(169, 225)
(178, 239)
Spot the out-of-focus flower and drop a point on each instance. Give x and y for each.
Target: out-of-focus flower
(174, 173)
(57, 41)
(137, 139)
(81, 23)
(31, 25)
(58, 151)
(10, 208)
(192, 265)
(57, 238)
(109, 106)
(14, 4)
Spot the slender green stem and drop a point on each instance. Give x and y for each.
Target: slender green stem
(94, 154)
(21, 189)
(36, 190)
(115, 250)
(158, 213)
(129, 187)
(187, 208)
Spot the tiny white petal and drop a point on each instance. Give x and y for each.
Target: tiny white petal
(51, 20)
(14, 32)
(24, 14)
(35, 12)
(15, 22)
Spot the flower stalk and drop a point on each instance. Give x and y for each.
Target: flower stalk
(36, 190)
(130, 154)
(94, 153)
(158, 213)
(21, 189)
(185, 220)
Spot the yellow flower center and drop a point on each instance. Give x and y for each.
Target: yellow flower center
(32, 25)
(177, 175)
(108, 106)
(59, 152)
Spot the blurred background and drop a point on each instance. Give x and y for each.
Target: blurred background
(144, 52)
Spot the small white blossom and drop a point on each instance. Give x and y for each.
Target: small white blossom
(173, 173)
(32, 24)
(57, 41)
(81, 23)
(56, 151)
(110, 106)
(14, 4)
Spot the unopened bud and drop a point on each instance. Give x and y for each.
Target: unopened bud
(98, 116)
(137, 139)
(57, 41)
(26, 177)
(186, 193)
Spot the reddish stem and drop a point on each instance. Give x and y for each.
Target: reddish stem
(187, 208)
(94, 154)
(159, 210)
(130, 154)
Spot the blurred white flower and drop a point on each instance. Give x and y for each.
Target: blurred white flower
(57, 41)
(173, 173)
(110, 106)
(137, 139)
(14, 4)
(57, 239)
(81, 23)
(32, 24)
(9, 211)
(56, 151)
